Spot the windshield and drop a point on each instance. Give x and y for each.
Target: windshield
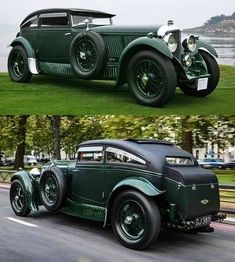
(81, 20)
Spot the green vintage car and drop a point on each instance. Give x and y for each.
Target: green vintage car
(152, 60)
(138, 186)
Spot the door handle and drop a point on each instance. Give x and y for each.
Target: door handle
(67, 34)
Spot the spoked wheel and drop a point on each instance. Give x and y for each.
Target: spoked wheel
(18, 199)
(190, 88)
(52, 188)
(18, 65)
(135, 219)
(88, 55)
(151, 78)
(85, 54)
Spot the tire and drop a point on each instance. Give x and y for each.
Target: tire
(88, 55)
(151, 78)
(18, 68)
(53, 188)
(18, 199)
(190, 89)
(135, 219)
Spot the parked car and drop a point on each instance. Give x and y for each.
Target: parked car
(30, 160)
(230, 164)
(138, 186)
(211, 163)
(152, 60)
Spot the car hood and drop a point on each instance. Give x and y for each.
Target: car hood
(137, 29)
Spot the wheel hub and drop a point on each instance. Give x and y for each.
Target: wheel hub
(83, 55)
(47, 188)
(144, 79)
(128, 220)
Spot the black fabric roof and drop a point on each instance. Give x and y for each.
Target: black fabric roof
(71, 10)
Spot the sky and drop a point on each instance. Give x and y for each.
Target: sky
(185, 13)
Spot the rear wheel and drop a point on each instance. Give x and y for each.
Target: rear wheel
(151, 78)
(18, 65)
(52, 188)
(18, 199)
(190, 88)
(135, 219)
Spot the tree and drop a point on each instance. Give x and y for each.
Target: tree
(57, 136)
(21, 135)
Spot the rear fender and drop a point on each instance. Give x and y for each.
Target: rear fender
(142, 43)
(138, 183)
(31, 188)
(32, 62)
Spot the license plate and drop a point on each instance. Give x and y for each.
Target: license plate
(202, 221)
(202, 84)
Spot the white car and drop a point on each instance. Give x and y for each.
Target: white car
(30, 160)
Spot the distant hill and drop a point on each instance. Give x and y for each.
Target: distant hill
(216, 24)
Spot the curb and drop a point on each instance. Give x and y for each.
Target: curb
(228, 220)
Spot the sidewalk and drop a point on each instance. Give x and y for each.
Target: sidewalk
(228, 220)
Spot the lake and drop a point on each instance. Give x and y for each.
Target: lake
(224, 45)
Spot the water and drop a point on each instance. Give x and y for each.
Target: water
(224, 45)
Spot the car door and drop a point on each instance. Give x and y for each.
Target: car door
(54, 37)
(121, 164)
(88, 176)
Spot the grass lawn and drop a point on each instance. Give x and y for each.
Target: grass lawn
(55, 95)
(225, 176)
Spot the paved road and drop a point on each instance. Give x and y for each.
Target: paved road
(59, 237)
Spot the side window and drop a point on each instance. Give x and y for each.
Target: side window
(54, 19)
(32, 22)
(115, 155)
(90, 154)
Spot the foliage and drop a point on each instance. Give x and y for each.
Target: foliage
(219, 18)
(40, 137)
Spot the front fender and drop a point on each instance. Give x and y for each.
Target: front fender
(205, 46)
(32, 194)
(141, 43)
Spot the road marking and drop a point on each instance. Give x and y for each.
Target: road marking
(224, 227)
(21, 222)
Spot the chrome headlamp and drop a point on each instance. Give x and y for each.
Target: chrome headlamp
(171, 41)
(190, 43)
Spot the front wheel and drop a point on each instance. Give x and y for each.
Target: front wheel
(151, 78)
(135, 219)
(18, 199)
(18, 68)
(190, 88)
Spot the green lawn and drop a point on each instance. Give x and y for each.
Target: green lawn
(53, 95)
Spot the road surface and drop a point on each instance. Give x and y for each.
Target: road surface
(46, 236)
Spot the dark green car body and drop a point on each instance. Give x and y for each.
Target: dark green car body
(184, 195)
(151, 59)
